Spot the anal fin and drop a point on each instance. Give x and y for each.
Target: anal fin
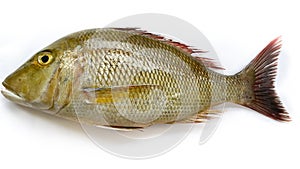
(202, 116)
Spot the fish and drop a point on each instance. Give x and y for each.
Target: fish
(129, 78)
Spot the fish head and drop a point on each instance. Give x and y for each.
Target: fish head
(33, 84)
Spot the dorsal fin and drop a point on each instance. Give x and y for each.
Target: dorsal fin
(182, 46)
(208, 62)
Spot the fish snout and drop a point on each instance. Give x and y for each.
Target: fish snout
(15, 83)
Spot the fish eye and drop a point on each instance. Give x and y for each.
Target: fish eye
(45, 58)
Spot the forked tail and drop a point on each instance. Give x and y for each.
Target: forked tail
(259, 75)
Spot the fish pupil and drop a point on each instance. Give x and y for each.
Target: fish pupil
(45, 59)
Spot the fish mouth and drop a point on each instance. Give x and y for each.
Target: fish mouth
(8, 93)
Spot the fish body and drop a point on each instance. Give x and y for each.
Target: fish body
(129, 78)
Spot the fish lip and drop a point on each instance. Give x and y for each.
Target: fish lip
(8, 89)
(11, 95)
(8, 93)
(5, 85)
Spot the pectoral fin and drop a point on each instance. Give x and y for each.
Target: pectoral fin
(117, 93)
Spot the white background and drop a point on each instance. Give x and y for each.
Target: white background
(238, 30)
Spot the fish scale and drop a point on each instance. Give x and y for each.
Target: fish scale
(142, 66)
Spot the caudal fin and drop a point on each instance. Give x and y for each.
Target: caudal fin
(260, 73)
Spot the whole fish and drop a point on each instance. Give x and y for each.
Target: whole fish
(129, 78)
